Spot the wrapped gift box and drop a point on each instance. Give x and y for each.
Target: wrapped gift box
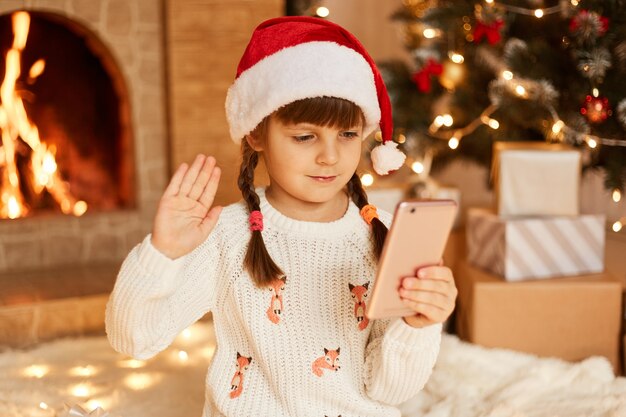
(571, 318)
(536, 179)
(535, 247)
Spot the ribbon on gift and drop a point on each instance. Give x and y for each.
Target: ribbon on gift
(76, 410)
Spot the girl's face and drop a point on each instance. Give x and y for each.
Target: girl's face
(309, 163)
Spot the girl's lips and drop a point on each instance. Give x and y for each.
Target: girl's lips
(323, 178)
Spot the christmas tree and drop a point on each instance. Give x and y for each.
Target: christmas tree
(526, 70)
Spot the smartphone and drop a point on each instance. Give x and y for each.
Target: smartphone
(417, 237)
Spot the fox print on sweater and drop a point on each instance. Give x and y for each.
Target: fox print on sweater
(279, 347)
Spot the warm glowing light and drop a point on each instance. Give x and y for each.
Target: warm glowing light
(591, 142)
(448, 120)
(494, 124)
(430, 33)
(322, 11)
(417, 167)
(79, 208)
(520, 90)
(595, 92)
(538, 13)
(187, 333)
(131, 363)
(367, 180)
(438, 122)
(617, 226)
(36, 371)
(139, 381)
(183, 356)
(489, 1)
(557, 126)
(43, 406)
(574, 3)
(617, 195)
(21, 24)
(457, 58)
(81, 390)
(453, 143)
(83, 371)
(507, 75)
(37, 68)
(15, 209)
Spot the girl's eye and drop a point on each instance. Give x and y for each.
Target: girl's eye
(303, 138)
(350, 134)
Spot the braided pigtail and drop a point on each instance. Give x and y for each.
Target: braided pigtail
(258, 261)
(379, 230)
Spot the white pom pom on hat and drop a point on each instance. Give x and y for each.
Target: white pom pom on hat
(296, 57)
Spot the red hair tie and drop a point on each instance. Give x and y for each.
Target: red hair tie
(256, 221)
(369, 213)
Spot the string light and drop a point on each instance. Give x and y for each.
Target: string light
(417, 167)
(430, 33)
(36, 371)
(591, 142)
(367, 180)
(538, 13)
(448, 120)
(456, 57)
(595, 92)
(507, 75)
(131, 363)
(81, 390)
(617, 226)
(183, 356)
(322, 12)
(453, 143)
(43, 406)
(557, 127)
(83, 371)
(617, 195)
(520, 90)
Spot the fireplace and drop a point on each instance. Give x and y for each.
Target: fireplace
(98, 107)
(66, 141)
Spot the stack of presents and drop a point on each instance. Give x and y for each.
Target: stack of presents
(534, 277)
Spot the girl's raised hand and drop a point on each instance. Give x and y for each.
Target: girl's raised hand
(431, 295)
(185, 216)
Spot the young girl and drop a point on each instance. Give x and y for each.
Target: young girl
(286, 273)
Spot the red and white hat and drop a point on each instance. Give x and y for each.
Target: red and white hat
(296, 57)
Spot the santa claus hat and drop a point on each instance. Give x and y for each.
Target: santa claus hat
(296, 57)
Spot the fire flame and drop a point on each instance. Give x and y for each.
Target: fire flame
(14, 125)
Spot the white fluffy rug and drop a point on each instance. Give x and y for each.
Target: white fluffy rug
(469, 381)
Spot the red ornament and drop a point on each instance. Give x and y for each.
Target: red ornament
(422, 77)
(596, 109)
(491, 31)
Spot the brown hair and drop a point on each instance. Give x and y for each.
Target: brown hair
(322, 111)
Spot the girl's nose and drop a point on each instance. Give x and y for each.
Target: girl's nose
(328, 154)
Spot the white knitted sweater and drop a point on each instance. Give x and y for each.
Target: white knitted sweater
(302, 348)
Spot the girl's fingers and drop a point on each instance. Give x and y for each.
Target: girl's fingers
(174, 185)
(442, 273)
(203, 178)
(425, 284)
(191, 175)
(431, 312)
(208, 195)
(433, 298)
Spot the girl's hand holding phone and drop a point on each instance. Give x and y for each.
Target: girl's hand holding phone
(431, 295)
(186, 216)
